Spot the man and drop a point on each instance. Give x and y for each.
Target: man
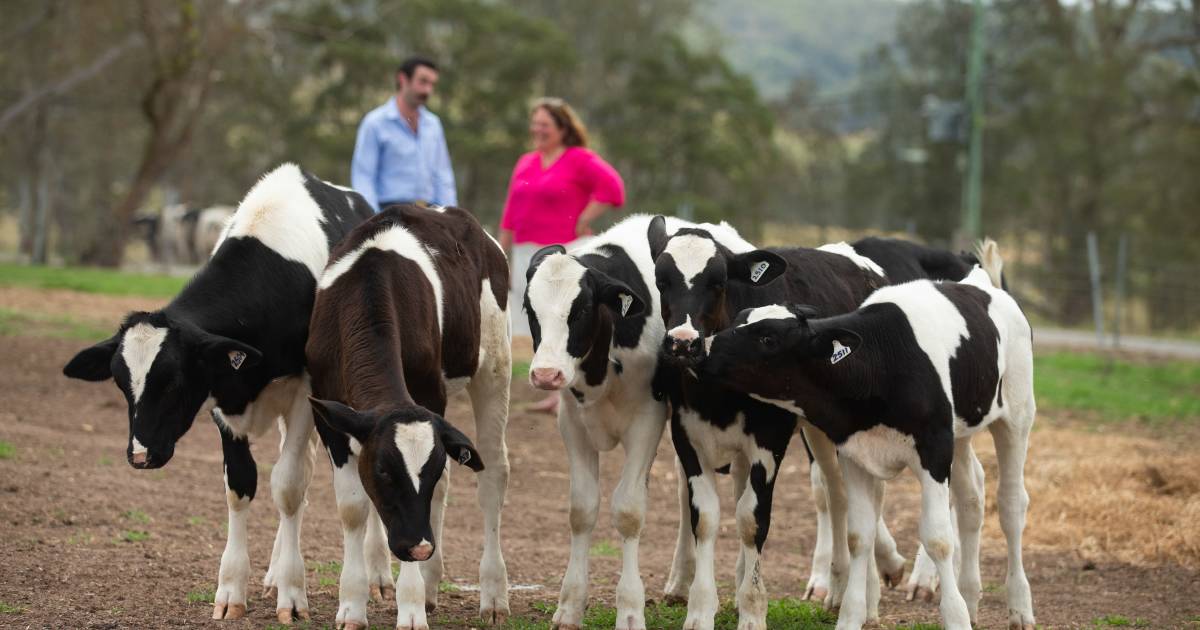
(400, 154)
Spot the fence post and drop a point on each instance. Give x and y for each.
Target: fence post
(1094, 268)
(1122, 262)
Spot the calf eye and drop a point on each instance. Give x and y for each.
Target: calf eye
(767, 341)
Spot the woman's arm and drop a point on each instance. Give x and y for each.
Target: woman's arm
(506, 240)
(583, 227)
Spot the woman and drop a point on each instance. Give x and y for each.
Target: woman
(556, 192)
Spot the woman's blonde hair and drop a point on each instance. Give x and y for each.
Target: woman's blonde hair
(565, 118)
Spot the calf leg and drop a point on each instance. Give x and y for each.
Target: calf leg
(705, 513)
(923, 581)
(938, 537)
(289, 486)
(887, 557)
(378, 557)
(489, 399)
(629, 511)
(354, 508)
(433, 568)
(241, 482)
(966, 482)
(584, 464)
(410, 598)
(683, 562)
(739, 470)
(754, 521)
(861, 519)
(818, 576)
(1012, 442)
(826, 457)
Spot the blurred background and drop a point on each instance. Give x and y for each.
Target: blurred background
(800, 121)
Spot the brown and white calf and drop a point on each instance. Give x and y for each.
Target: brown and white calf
(411, 309)
(905, 381)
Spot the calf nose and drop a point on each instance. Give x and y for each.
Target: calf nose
(138, 459)
(547, 378)
(422, 551)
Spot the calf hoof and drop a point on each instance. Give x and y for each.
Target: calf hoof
(494, 616)
(228, 611)
(352, 625)
(286, 616)
(816, 594)
(565, 626)
(376, 593)
(892, 580)
(671, 599)
(1017, 625)
(268, 591)
(919, 594)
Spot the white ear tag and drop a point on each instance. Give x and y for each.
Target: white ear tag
(758, 270)
(839, 352)
(236, 359)
(464, 457)
(626, 302)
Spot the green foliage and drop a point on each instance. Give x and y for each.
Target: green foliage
(604, 549)
(136, 516)
(1119, 621)
(1152, 392)
(90, 280)
(520, 369)
(135, 535)
(6, 608)
(204, 595)
(195, 520)
(787, 614)
(7, 450)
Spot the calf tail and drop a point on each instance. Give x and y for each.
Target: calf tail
(988, 253)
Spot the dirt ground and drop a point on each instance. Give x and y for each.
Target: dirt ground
(1114, 523)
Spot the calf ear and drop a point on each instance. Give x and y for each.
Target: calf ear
(458, 446)
(617, 296)
(804, 311)
(657, 235)
(759, 267)
(539, 255)
(94, 363)
(343, 418)
(229, 354)
(835, 344)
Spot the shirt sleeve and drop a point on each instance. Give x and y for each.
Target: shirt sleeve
(604, 180)
(364, 166)
(508, 216)
(443, 175)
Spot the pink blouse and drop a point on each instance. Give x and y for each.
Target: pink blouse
(544, 205)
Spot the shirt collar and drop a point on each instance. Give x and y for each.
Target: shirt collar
(392, 110)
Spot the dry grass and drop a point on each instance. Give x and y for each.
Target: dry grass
(1108, 495)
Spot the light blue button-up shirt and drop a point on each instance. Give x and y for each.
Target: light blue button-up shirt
(394, 163)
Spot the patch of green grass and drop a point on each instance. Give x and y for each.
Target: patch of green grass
(604, 549)
(135, 535)
(105, 460)
(1119, 621)
(204, 595)
(13, 322)
(1152, 392)
(447, 587)
(136, 516)
(520, 369)
(10, 609)
(195, 521)
(7, 451)
(79, 539)
(332, 567)
(327, 580)
(784, 614)
(89, 280)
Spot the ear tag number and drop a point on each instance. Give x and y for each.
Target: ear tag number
(236, 359)
(464, 456)
(626, 302)
(839, 352)
(757, 271)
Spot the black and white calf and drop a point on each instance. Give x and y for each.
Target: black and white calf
(236, 333)
(412, 308)
(596, 336)
(905, 381)
(703, 280)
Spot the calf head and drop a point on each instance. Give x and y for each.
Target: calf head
(403, 455)
(761, 351)
(571, 308)
(692, 271)
(166, 368)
